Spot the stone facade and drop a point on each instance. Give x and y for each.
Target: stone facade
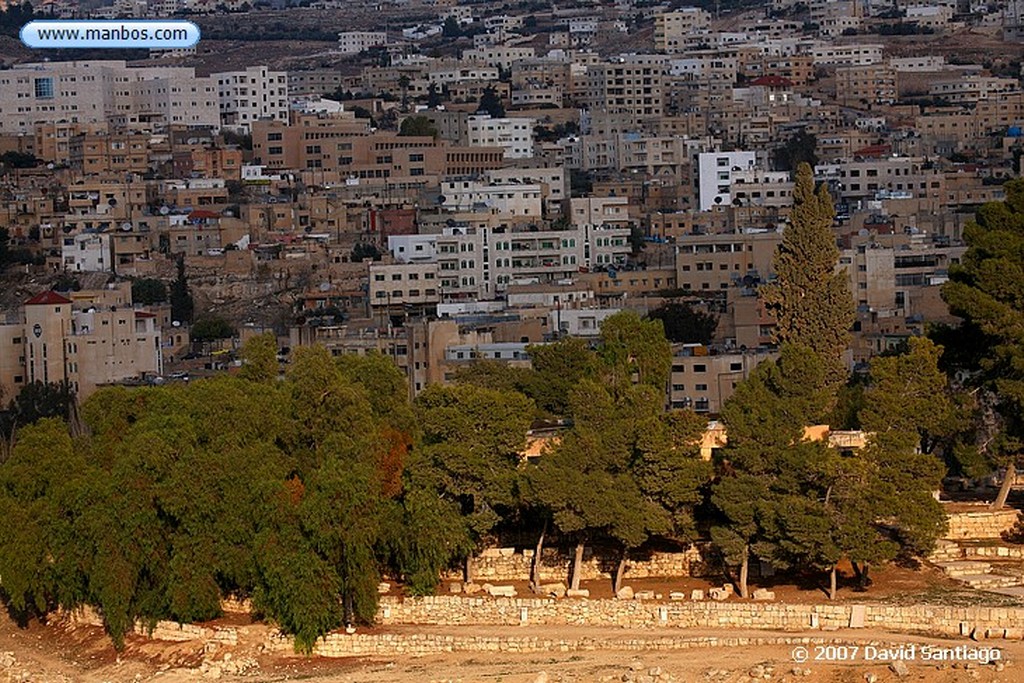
(508, 564)
(981, 524)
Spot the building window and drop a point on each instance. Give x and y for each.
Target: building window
(44, 88)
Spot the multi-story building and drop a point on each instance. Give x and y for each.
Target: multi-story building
(482, 262)
(512, 202)
(672, 29)
(104, 92)
(856, 54)
(716, 262)
(866, 84)
(631, 84)
(86, 252)
(251, 95)
(703, 379)
(354, 42)
(405, 287)
(87, 346)
(715, 172)
(513, 135)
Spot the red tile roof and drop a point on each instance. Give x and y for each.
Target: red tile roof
(47, 298)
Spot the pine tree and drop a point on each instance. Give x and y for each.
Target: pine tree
(810, 298)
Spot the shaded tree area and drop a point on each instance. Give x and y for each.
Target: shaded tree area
(182, 306)
(490, 103)
(148, 291)
(685, 324)
(418, 126)
(313, 493)
(800, 505)
(798, 149)
(986, 349)
(36, 401)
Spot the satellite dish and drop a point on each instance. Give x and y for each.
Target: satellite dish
(126, 226)
(325, 286)
(863, 232)
(164, 210)
(176, 323)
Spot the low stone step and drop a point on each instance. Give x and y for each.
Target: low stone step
(962, 568)
(986, 581)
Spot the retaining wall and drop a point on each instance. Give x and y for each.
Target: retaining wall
(453, 610)
(508, 564)
(980, 524)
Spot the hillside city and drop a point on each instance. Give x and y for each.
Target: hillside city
(363, 318)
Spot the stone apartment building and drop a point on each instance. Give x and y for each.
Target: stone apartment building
(671, 29)
(87, 345)
(104, 91)
(708, 263)
(632, 84)
(703, 379)
(251, 95)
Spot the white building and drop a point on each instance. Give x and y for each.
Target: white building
(104, 92)
(514, 135)
(509, 200)
(715, 174)
(86, 252)
(857, 54)
(354, 42)
(251, 95)
(482, 263)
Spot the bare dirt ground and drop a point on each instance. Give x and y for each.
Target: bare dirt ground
(60, 653)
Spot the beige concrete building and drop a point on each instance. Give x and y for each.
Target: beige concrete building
(703, 379)
(633, 86)
(671, 29)
(716, 262)
(86, 345)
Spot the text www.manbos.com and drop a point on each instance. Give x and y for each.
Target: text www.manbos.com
(110, 34)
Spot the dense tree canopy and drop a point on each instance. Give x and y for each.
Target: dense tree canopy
(987, 292)
(295, 493)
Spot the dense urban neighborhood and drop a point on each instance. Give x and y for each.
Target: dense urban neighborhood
(365, 331)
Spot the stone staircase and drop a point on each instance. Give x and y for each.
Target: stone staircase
(982, 560)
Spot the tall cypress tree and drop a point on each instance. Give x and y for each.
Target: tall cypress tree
(181, 298)
(811, 299)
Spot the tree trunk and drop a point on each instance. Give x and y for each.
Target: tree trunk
(865, 579)
(535, 568)
(468, 571)
(832, 583)
(1004, 490)
(577, 567)
(620, 570)
(745, 572)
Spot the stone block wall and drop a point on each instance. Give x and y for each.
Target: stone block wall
(636, 614)
(980, 524)
(508, 564)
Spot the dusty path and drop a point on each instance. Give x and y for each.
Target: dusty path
(44, 654)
